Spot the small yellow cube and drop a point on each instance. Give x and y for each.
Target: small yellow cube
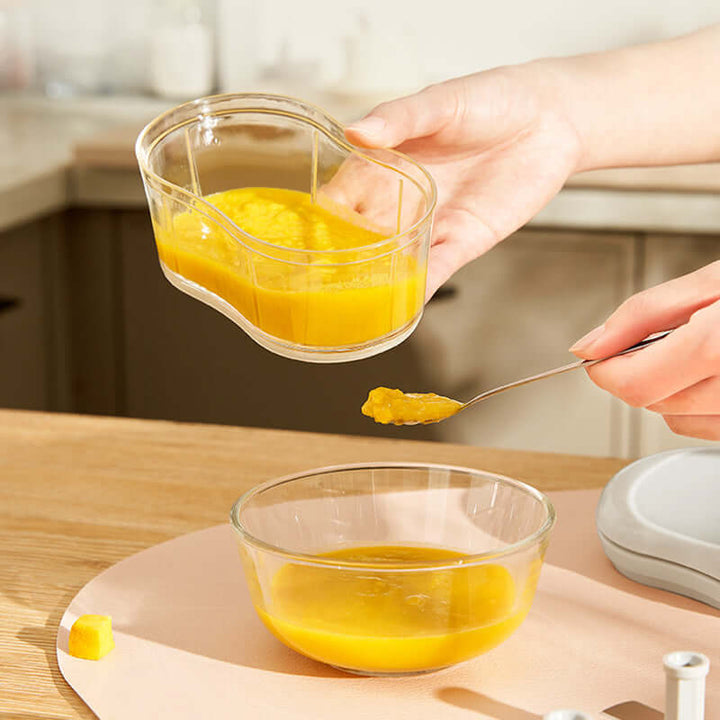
(91, 637)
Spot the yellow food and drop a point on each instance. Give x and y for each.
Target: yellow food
(91, 637)
(309, 299)
(393, 621)
(385, 405)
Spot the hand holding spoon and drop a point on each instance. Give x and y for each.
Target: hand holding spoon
(394, 406)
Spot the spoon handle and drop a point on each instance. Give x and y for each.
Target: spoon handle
(566, 368)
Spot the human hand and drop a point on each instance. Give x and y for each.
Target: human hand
(496, 143)
(365, 191)
(679, 376)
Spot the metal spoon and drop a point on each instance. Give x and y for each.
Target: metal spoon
(416, 405)
(565, 368)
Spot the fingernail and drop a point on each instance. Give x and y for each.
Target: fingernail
(369, 126)
(587, 340)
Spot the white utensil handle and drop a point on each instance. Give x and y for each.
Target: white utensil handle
(685, 685)
(566, 715)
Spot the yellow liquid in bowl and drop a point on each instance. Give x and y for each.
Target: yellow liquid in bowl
(313, 301)
(394, 622)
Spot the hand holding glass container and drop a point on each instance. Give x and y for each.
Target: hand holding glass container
(261, 209)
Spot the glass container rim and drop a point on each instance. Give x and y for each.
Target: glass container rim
(466, 560)
(142, 154)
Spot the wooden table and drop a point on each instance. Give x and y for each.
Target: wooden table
(78, 494)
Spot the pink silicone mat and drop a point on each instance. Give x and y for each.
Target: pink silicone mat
(189, 645)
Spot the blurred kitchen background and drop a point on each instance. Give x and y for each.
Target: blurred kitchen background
(88, 323)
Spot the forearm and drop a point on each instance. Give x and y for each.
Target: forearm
(656, 104)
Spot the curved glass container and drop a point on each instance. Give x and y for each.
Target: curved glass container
(327, 301)
(392, 568)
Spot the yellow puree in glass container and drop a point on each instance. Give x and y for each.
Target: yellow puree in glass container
(312, 300)
(394, 621)
(385, 405)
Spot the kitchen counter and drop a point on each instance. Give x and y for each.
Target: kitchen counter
(78, 494)
(37, 137)
(59, 153)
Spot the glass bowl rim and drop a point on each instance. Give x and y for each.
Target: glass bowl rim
(189, 199)
(465, 561)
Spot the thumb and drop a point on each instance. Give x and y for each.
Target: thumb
(659, 308)
(414, 116)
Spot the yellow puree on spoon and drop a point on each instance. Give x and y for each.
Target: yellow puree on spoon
(386, 406)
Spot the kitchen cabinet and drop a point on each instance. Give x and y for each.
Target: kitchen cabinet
(91, 260)
(513, 312)
(32, 357)
(97, 329)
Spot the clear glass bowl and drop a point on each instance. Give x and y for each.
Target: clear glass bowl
(392, 569)
(330, 303)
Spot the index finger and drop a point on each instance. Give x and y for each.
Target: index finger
(685, 357)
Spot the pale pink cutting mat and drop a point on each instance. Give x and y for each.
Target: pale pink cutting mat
(188, 644)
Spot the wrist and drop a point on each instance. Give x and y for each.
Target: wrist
(564, 93)
(641, 105)
(552, 82)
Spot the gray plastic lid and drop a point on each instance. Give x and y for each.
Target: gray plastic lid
(667, 506)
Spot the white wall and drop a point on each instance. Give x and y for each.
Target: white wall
(460, 36)
(103, 41)
(448, 37)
